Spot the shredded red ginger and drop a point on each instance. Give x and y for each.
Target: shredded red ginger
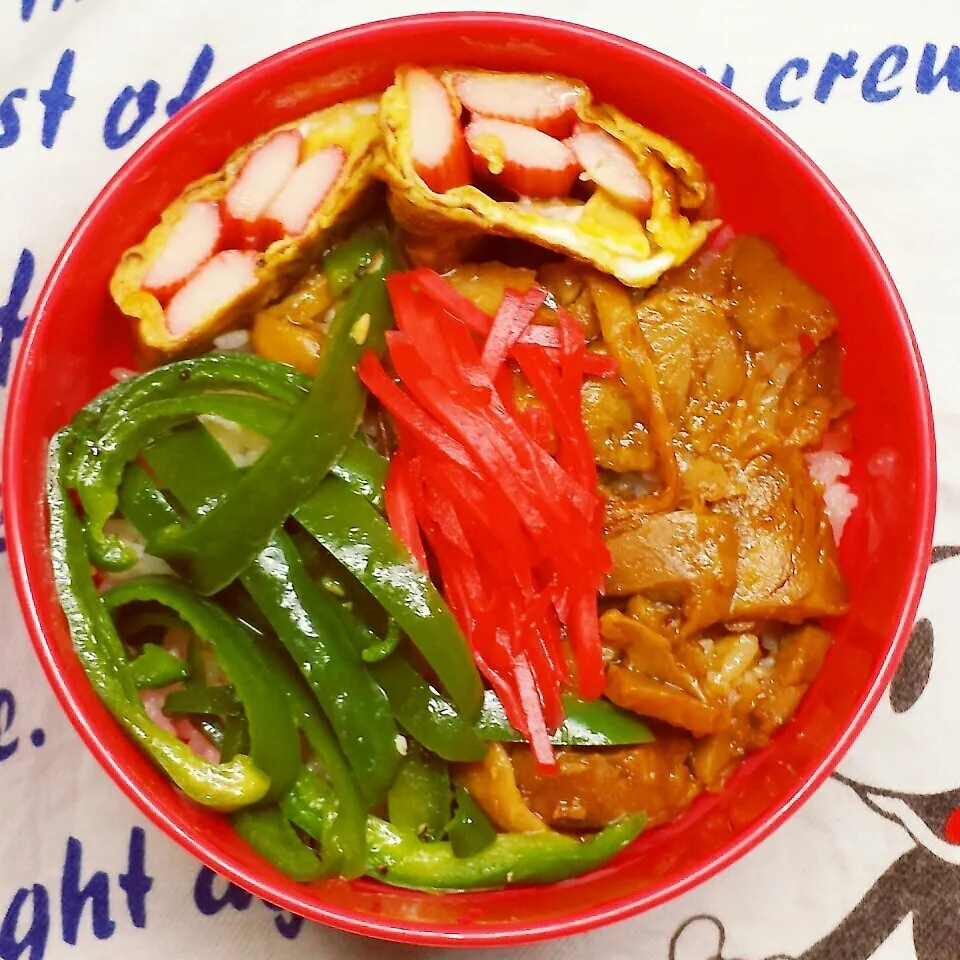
(515, 533)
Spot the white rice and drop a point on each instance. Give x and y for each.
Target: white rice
(769, 643)
(827, 467)
(234, 341)
(244, 446)
(146, 564)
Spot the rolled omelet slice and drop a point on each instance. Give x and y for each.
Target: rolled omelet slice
(471, 152)
(237, 239)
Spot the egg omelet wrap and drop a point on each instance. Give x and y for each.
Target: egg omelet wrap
(237, 239)
(472, 152)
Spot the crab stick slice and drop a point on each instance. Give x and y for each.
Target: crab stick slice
(611, 166)
(267, 169)
(306, 190)
(190, 244)
(219, 282)
(540, 102)
(439, 152)
(520, 158)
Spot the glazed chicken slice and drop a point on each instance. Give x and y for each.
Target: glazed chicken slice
(787, 566)
(594, 787)
(682, 557)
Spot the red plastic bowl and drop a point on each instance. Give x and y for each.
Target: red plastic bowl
(767, 186)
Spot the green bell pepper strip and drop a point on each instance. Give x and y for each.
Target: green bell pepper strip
(470, 831)
(156, 667)
(299, 612)
(115, 435)
(420, 797)
(383, 648)
(345, 848)
(228, 537)
(428, 716)
(360, 466)
(274, 741)
(236, 736)
(363, 470)
(346, 263)
(140, 618)
(402, 860)
(347, 525)
(270, 834)
(99, 469)
(229, 735)
(310, 806)
(246, 372)
(303, 617)
(587, 723)
(218, 701)
(213, 729)
(347, 851)
(199, 466)
(224, 786)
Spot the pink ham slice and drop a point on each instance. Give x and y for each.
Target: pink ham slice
(192, 241)
(153, 701)
(153, 704)
(523, 160)
(540, 102)
(439, 153)
(217, 284)
(198, 743)
(267, 169)
(611, 166)
(306, 190)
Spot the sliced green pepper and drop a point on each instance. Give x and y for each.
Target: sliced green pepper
(299, 612)
(156, 667)
(224, 786)
(363, 469)
(218, 701)
(227, 538)
(470, 831)
(270, 834)
(346, 852)
(240, 371)
(115, 431)
(274, 741)
(195, 466)
(419, 708)
(347, 262)
(302, 617)
(420, 797)
(345, 846)
(236, 736)
(402, 860)
(587, 723)
(310, 806)
(140, 623)
(382, 649)
(361, 539)
(99, 470)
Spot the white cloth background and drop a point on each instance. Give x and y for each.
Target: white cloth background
(895, 159)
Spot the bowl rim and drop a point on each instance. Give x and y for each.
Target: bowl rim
(405, 931)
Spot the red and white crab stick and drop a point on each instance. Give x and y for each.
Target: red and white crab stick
(520, 158)
(438, 148)
(220, 281)
(540, 102)
(263, 175)
(611, 166)
(192, 241)
(307, 188)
